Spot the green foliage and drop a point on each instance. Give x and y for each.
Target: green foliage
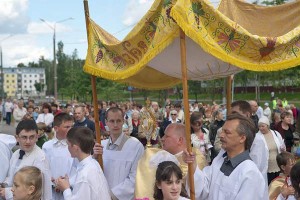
(274, 2)
(39, 87)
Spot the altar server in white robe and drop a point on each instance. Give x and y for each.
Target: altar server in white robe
(89, 181)
(121, 154)
(57, 153)
(7, 142)
(29, 154)
(232, 175)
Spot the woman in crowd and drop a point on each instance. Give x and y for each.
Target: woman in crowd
(135, 123)
(273, 145)
(168, 183)
(217, 123)
(46, 116)
(200, 135)
(286, 129)
(28, 183)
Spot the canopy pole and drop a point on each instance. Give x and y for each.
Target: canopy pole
(186, 110)
(229, 93)
(93, 82)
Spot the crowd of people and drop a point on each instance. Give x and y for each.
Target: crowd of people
(249, 152)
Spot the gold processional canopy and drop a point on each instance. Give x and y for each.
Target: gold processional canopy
(219, 42)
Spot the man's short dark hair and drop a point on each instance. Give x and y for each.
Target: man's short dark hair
(27, 125)
(54, 105)
(246, 127)
(83, 137)
(244, 106)
(61, 118)
(113, 109)
(177, 105)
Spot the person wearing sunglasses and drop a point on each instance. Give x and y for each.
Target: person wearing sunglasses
(200, 135)
(173, 119)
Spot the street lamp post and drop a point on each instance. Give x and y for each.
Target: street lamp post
(53, 27)
(1, 60)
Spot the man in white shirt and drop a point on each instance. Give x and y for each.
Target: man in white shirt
(232, 175)
(121, 154)
(7, 142)
(267, 111)
(8, 106)
(56, 150)
(29, 154)
(89, 180)
(19, 112)
(257, 152)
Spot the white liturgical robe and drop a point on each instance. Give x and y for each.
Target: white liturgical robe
(7, 142)
(60, 161)
(35, 158)
(89, 182)
(245, 182)
(120, 166)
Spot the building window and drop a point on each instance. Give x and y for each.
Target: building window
(30, 81)
(35, 76)
(25, 76)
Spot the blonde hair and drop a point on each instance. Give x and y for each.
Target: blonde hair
(32, 176)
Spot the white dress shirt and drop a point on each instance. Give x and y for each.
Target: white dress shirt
(89, 182)
(120, 166)
(19, 113)
(60, 161)
(245, 182)
(45, 118)
(35, 158)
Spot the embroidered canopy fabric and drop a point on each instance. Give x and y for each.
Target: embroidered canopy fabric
(218, 43)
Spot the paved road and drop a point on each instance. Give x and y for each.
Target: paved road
(7, 129)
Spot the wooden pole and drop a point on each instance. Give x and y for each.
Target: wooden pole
(94, 90)
(229, 93)
(186, 110)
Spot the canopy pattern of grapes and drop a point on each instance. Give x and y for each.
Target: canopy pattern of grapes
(219, 42)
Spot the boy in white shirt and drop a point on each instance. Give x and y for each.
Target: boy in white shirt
(56, 150)
(29, 154)
(89, 180)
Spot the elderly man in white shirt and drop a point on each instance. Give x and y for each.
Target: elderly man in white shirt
(19, 112)
(121, 154)
(232, 175)
(7, 142)
(29, 154)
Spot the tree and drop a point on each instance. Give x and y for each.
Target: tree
(39, 87)
(20, 65)
(273, 2)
